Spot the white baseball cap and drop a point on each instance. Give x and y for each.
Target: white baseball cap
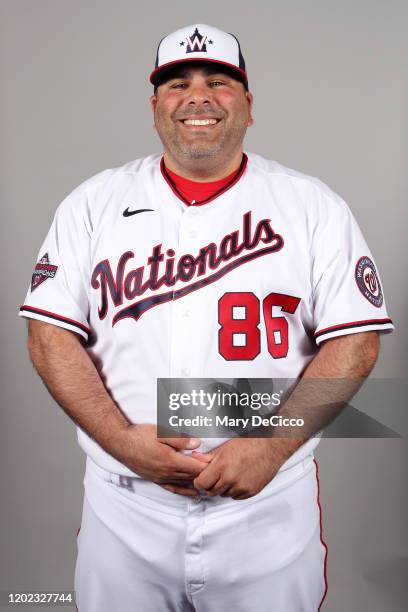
(199, 42)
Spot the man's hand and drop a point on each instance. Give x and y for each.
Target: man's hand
(160, 459)
(74, 382)
(241, 468)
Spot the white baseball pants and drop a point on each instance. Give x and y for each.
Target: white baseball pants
(144, 549)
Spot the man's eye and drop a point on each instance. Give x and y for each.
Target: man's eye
(215, 83)
(178, 85)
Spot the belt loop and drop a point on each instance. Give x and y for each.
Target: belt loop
(120, 480)
(114, 478)
(125, 481)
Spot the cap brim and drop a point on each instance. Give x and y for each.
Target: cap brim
(159, 74)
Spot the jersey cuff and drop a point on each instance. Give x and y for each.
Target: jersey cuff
(31, 312)
(353, 327)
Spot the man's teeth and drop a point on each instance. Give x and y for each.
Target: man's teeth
(200, 121)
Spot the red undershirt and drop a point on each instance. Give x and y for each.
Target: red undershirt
(193, 190)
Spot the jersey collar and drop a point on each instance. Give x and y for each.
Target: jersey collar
(235, 178)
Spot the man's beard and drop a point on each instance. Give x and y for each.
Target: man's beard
(197, 151)
(200, 150)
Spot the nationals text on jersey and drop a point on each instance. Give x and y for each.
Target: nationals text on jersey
(131, 285)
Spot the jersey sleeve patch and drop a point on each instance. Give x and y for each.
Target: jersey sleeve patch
(368, 282)
(42, 271)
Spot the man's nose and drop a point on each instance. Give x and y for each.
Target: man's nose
(199, 93)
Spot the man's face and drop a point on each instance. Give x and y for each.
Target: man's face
(216, 100)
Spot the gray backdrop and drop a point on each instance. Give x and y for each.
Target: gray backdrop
(330, 86)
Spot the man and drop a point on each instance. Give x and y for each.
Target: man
(205, 262)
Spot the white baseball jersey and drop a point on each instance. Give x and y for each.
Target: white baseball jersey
(247, 284)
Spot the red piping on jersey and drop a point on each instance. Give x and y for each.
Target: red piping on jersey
(77, 534)
(321, 535)
(53, 315)
(352, 324)
(230, 184)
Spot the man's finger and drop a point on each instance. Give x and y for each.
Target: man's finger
(185, 464)
(208, 478)
(206, 457)
(181, 443)
(178, 476)
(219, 488)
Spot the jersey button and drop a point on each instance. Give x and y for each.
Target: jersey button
(193, 234)
(187, 313)
(185, 372)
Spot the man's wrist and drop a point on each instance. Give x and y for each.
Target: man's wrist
(115, 438)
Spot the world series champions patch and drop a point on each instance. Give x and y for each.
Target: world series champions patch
(368, 282)
(42, 271)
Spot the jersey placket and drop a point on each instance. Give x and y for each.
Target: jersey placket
(185, 318)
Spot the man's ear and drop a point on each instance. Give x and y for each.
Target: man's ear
(250, 100)
(153, 104)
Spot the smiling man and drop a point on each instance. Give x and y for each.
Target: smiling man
(202, 262)
(202, 138)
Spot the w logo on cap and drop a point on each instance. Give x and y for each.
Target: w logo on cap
(196, 43)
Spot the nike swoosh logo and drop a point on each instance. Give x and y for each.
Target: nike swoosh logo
(129, 213)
